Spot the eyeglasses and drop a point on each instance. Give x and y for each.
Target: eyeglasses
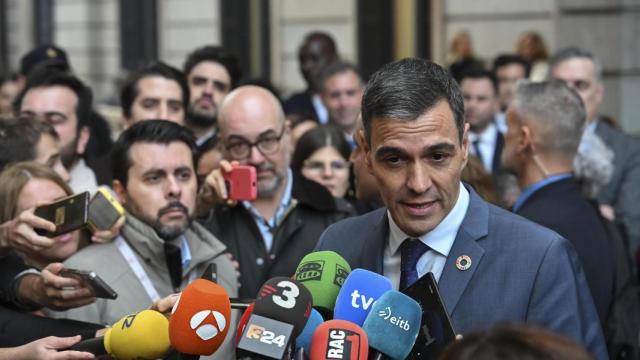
(580, 85)
(320, 166)
(240, 148)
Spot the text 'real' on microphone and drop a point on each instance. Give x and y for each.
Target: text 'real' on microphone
(200, 319)
(323, 273)
(339, 339)
(393, 324)
(280, 313)
(358, 294)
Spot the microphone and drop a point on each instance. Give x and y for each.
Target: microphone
(144, 335)
(358, 294)
(339, 339)
(200, 318)
(393, 324)
(243, 322)
(286, 300)
(303, 341)
(279, 315)
(323, 273)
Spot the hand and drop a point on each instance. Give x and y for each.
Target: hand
(607, 212)
(53, 291)
(236, 266)
(214, 189)
(46, 349)
(104, 236)
(19, 233)
(165, 305)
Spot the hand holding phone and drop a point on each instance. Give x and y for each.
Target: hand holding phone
(67, 214)
(99, 286)
(241, 183)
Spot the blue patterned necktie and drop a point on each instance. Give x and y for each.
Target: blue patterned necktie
(410, 252)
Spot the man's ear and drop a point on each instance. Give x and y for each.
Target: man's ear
(465, 144)
(526, 141)
(120, 190)
(83, 139)
(366, 149)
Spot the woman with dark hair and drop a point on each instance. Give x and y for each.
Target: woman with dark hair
(322, 155)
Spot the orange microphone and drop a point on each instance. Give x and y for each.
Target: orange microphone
(200, 319)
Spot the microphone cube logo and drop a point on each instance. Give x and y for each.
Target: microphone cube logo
(310, 270)
(209, 330)
(343, 344)
(394, 320)
(341, 275)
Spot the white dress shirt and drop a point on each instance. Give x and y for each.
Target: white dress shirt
(321, 110)
(486, 143)
(440, 240)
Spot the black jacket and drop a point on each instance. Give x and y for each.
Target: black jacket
(310, 213)
(561, 207)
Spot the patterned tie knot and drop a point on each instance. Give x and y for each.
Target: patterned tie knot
(410, 252)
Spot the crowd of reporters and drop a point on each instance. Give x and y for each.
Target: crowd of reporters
(182, 132)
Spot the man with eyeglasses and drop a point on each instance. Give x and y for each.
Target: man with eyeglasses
(620, 196)
(268, 236)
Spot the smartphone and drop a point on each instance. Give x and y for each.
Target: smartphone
(68, 214)
(101, 289)
(241, 183)
(436, 330)
(104, 210)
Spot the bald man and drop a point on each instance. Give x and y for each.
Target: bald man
(268, 236)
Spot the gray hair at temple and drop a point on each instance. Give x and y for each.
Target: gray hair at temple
(557, 111)
(406, 89)
(575, 53)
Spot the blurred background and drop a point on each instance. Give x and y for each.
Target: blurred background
(106, 38)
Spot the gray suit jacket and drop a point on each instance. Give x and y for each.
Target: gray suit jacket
(520, 272)
(623, 190)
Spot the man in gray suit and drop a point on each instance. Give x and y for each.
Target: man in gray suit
(492, 266)
(619, 197)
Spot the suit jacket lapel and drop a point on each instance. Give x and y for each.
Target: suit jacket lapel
(475, 225)
(372, 255)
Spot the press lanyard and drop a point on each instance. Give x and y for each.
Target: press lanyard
(138, 271)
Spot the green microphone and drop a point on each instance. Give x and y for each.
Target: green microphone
(323, 273)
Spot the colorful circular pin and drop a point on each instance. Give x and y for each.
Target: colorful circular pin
(463, 262)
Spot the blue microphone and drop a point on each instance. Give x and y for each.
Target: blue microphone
(393, 324)
(358, 294)
(304, 339)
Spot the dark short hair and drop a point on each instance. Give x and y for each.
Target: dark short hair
(317, 138)
(408, 88)
(19, 137)
(573, 52)
(47, 77)
(130, 90)
(323, 37)
(478, 73)
(337, 67)
(511, 59)
(215, 54)
(150, 131)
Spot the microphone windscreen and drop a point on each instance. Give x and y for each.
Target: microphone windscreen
(393, 324)
(200, 319)
(323, 273)
(286, 300)
(243, 321)
(339, 339)
(143, 335)
(357, 295)
(304, 339)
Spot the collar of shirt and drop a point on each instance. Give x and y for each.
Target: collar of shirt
(531, 189)
(441, 238)
(486, 143)
(267, 225)
(201, 140)
(185, 252)
(321, 110)
(591, 127)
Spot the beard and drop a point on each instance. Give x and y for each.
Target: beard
(199, 118)
(68, 154)
(169, 232)
(267, 189)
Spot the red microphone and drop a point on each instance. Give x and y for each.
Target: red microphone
(339, 339)
(200, 319)
(243, 322)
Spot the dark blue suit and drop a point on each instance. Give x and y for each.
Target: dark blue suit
(520, 272)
